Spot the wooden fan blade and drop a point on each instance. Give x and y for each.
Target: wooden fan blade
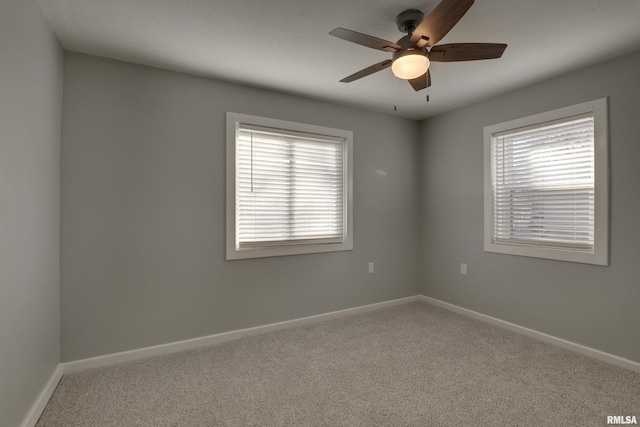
(439, 22)
(466, 52)
(369, 70)
(421, 82)
(365, 40)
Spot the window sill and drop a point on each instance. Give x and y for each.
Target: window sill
(595, 258)
(285, 250)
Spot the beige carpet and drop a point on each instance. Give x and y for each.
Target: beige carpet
(413, 365)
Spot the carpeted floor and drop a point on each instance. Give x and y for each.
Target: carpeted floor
(412, 365)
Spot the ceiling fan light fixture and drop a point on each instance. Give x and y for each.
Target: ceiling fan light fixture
(413, 52)
(410, 64)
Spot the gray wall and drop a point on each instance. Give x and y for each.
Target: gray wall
(590, 305)
(142, 253)
(30, 110)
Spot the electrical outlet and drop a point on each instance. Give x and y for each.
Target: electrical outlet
(370, 267)
(463, 269)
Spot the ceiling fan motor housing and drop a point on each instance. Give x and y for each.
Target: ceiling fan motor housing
(406, 44)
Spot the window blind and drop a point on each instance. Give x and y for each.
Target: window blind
(543, 185)
(289, 187)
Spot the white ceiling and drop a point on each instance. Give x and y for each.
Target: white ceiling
(284, 44)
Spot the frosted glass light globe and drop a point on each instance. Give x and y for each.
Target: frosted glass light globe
(410, 65)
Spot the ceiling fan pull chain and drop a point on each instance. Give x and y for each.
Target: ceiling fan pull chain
(395, 91)
(426, 76)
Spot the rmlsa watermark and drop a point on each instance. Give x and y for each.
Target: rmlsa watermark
(621, 419)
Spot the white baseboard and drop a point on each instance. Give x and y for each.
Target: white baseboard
(126, 356)
(141, 353)
(578, 348)
(43, 398)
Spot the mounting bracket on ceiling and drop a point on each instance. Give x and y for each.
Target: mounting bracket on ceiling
(408, 20)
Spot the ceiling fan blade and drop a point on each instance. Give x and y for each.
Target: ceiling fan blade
(439, 22)
(421, 82)
(369, 70)
(365, 40)
(466, 52)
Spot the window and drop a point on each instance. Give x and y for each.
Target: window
(546, 185)
(288, 188)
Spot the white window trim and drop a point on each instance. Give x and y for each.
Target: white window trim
(233, 252)
(600, 256)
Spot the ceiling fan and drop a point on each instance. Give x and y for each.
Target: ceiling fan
(413, 52)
